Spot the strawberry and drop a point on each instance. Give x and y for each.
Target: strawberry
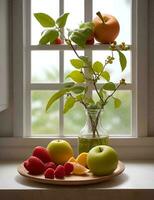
(50, 165)
(42, 154)
(68, 168)
(26, 164)
(34, 165)
(60, 171)
(49, 173)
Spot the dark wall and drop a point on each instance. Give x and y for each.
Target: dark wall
(151, 69)
(6, 125)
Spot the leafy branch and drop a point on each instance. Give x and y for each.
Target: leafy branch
(76, 90)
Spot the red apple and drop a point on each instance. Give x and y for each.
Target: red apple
(42, 154)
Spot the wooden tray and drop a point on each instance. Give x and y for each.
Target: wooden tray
(72, 179)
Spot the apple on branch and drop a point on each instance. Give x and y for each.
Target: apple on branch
(90, 40)
(106, 28)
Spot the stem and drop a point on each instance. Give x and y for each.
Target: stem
(101, 149)
(68, 40)
(96, 123)
(74, 49)
(106, 63)
(100, 16)
(97, 91)
(91, 120)
(112, 93)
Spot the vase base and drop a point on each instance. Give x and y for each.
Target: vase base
(85, 143)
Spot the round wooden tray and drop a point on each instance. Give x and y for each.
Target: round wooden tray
(72, 179)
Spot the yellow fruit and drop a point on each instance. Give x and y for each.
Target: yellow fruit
(82, 159)
(60, 151)
(72, 159)
(79, 169)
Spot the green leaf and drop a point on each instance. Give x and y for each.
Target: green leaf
(79, 97)
(55, 97)
(85, 59)
(117, 102)
(102, 92)
(123, 60)
(61, 21)
(87, 25)
(105, 75)
(69, 84)
(76, 38)
(77, 63)
(97, 66)
(44, 19)
(49, 36)
(80, 36)
(109, 86)
(69, 104)
(88, 100)
(76, 76)
(77, 89)
(99, 104)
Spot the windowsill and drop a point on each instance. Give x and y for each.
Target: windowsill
(136, 182)
(17, 148)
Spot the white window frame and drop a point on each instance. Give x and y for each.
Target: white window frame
(22, 87)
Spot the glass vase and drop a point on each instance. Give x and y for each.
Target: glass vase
(92, 133)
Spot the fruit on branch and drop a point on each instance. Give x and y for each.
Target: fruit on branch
(60, 150)
(106, 28)
(102, 160)
(58, 41)
(90, 40)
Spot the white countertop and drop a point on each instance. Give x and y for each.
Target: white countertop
(138, 177)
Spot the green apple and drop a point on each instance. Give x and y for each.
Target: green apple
(60, 151)
(102, 160)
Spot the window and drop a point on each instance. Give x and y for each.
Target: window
(38, 88)
(46, 68)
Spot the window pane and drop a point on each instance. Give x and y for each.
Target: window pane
(74, 120)
(68, 55)
(43, 123)
(76, 10)
(49, 7)
(115, 68)
(121, 9)
(117, 121)
(44, 66)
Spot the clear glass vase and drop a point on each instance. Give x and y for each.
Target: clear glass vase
(92, 133)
